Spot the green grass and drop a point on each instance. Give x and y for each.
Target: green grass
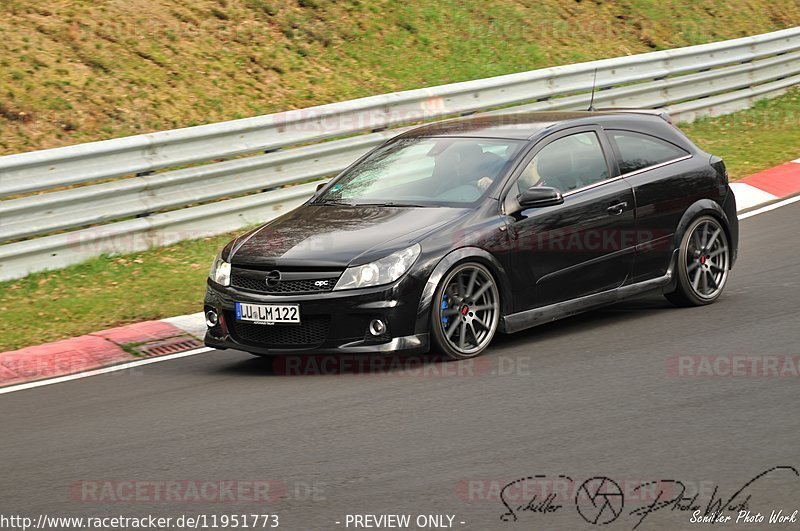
(110, 291)
(106, 292)
(81, 71)
(755, 139)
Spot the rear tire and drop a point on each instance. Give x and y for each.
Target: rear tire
(465, 311)
(703, 263)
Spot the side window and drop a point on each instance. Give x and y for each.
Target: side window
(567, 163)
(640, 151)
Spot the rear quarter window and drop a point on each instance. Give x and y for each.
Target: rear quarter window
(638, 151)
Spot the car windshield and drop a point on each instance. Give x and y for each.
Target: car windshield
(425, 171)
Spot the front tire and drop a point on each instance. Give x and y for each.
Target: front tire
(466, 311)
(703, 263)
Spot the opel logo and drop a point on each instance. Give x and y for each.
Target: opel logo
(273, 278)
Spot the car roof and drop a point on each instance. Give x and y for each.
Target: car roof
(523, 126)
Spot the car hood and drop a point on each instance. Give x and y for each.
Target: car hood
(336, 236)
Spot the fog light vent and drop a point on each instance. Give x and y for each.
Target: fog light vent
(377, 327)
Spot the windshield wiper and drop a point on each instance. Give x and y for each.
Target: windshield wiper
(333, 202)
(394, 204)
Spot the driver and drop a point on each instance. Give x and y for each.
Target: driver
(530, 176)
(468, 164)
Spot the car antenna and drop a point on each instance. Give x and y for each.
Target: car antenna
(594, 84)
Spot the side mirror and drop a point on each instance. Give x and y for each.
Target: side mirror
(540, 196)
(320, 186)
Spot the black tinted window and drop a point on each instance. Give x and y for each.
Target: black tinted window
(641, 151)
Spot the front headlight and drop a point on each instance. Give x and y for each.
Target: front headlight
(220, 271)
(383, 271)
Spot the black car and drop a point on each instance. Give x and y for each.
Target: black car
(453, 231)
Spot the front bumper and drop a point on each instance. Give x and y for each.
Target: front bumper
(331, 323)
(413, 344)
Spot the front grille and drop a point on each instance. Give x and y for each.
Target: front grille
(284, 287)
(312, 332)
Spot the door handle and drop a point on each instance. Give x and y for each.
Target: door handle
(616, 210)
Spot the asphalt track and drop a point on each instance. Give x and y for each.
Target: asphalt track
(594, 395)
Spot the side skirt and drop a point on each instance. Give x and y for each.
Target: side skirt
(536, 316)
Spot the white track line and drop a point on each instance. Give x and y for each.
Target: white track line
(103, 370)
(202, 350)
(767, 208)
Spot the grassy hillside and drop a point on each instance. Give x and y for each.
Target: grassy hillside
(80, 70)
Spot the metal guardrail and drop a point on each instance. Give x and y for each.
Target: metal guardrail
(141, 200)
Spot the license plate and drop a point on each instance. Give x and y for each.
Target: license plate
(268, 313)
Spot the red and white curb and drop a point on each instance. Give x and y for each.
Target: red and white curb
(767, 186)
(98, 351)
(138, 344)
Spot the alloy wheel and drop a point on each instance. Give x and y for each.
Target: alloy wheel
(707, 259)
(469, 309)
